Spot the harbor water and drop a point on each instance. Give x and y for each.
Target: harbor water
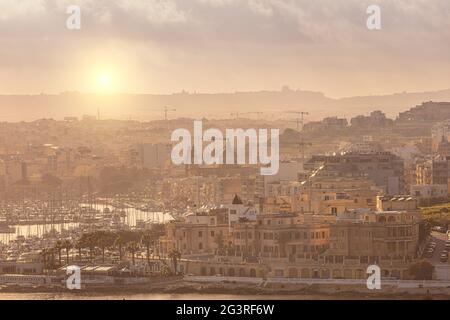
(132, 216)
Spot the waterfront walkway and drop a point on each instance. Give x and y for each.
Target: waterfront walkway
(362, 282)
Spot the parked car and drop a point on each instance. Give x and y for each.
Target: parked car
(439, 229)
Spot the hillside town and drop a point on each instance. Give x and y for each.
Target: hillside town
(104, 195)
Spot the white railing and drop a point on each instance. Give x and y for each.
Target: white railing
(394, 283)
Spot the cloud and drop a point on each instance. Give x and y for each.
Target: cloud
(280, 37)
(12, 9)
(261, 7)
(290, 21)
(158, 11)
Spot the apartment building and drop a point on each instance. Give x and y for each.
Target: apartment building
(274, 236)
(376, 234)
(429, 194)
(323, 194)
(199, 233)
(385, 169)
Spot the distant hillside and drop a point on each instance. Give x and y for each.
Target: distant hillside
(220, 105)
(392, 104)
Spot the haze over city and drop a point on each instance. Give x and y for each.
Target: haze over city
(224, 149)
(215, 46)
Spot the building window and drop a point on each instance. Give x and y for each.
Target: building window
(200, 234)
(212, 233)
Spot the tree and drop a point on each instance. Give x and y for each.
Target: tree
(51, 262)
(132, 247)
(44, 254)
(79, 245)
(91, 242)
(58, 248)
(174, 255)
(67, 244)
(421, 270)
(104, 239)
(119, 241)
(149, 239)
(87, 240)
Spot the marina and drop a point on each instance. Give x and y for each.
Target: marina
(87, 216)
(36, 241)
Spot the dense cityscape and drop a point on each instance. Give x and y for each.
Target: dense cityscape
(224, 157)
(104, 195)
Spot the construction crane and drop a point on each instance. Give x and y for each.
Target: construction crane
(237, 114)
(166, 112)
(258, 114)
(300, 120)
(300, 117)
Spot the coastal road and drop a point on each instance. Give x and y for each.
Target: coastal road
(440, 239)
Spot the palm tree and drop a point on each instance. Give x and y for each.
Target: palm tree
(91, 243)
(132, 247)
(120, 241)
(175, 255)
(79, 245)
(58, 247)
(104, 240)
(67, 244)
(51, 262)
(148, 239)
(44, 254)
(87, 240)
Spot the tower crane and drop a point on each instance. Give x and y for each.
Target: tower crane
(300, 120)
(300, 117)
(238, 114)
(166, 112)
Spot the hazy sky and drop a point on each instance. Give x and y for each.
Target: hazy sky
(164, 46)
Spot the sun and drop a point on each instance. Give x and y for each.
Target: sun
(105, 81)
